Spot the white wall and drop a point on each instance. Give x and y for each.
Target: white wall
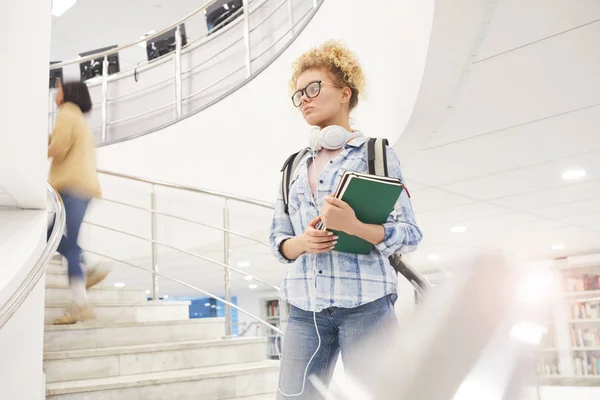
(22, 239)
(23, 173)
(23, 138)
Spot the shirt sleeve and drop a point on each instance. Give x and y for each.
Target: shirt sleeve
(61, 138)
(281, 229)
(402, 235)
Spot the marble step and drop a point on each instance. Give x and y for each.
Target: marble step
(56, 273)
(56, 279)
(145, 311)
(93, 334)
(266, 396)
(138, 359)
(209, 383)
(60, 294)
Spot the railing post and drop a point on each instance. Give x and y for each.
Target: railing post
(104, 96)
(291, 15)
(154, 245)
(248, 59)
(227, 261)
(178, 70)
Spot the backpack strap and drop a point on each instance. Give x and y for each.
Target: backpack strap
(377, 156)
(288, 169)
(377, 165)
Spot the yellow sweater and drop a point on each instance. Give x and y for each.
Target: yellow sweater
(72, 149)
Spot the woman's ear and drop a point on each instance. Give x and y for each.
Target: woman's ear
(346, 94)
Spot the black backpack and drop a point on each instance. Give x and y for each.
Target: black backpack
(377, 165)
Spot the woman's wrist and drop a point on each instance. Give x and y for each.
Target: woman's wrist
(292, 248)
(373, 234)
(355, 228)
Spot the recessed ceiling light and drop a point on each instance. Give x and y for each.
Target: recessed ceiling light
(166, 296)
(59, 7)
(252, 286)
(458, 229)
(573, 174)
(558, 247)
(244, 264)
(119, 284)
(226, 6)
(207, 304)
(433, 257)
(248, 278)
(213, 306)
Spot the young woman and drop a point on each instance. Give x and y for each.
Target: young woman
(337, 299)
(73, 175)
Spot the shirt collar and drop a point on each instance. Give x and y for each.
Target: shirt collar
(357, 142)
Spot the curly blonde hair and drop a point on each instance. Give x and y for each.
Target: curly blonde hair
(336, 59)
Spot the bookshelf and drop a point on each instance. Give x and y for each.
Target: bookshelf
(548, 363)
(570, 352)
(275, 312)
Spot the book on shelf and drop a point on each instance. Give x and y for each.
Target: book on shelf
(582, 337)
(583, 283)
(587, 365)
(272, 308)
(585, 310)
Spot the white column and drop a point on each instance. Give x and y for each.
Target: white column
(25, 26)
(24, 102)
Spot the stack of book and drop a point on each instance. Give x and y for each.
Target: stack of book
(372, 198)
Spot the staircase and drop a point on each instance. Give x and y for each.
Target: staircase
(139, 349)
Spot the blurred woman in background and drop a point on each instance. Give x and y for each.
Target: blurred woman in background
(73, 175)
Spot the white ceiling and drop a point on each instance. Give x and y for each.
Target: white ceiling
(90, 25)
(527, 108)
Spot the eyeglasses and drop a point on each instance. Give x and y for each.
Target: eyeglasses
(312, 90)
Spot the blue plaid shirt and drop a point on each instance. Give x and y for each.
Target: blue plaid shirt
(342, 279)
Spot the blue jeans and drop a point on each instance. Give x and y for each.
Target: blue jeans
(342, 330)
(75, 208)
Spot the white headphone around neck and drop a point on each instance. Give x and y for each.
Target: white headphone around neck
(332, 137)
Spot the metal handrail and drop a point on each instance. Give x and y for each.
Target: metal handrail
(15, 301)
(291, 29)
(110, 127)
(208, 60)
(226, 196)
(129, 118)
(126, 46)
(214, 83)
(419, 282)
(189, 253)
(227, 303)
(226, 232)
(186, 220)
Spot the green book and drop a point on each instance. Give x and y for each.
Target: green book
(372, 198)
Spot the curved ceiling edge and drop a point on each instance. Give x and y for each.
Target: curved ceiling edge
(455, 37)
(229, 92)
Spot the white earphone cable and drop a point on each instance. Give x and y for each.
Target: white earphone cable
(313, 301)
